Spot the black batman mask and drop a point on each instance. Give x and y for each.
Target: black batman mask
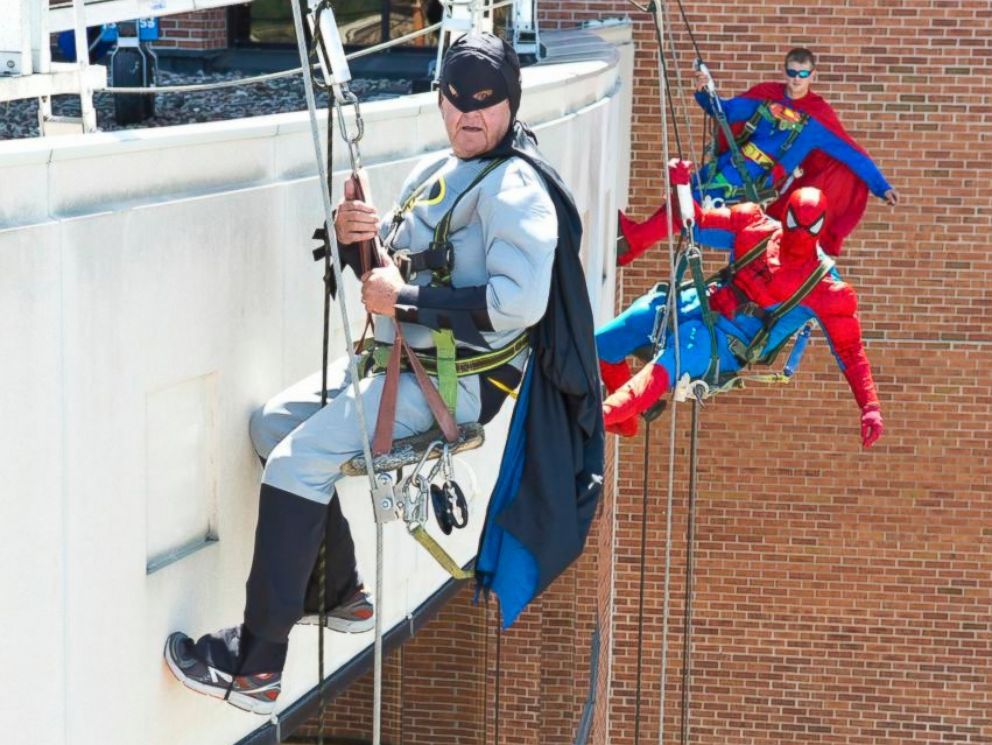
(481, 70)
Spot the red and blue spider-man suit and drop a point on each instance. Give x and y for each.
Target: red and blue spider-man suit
(790, 257)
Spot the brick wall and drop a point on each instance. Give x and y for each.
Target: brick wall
(841, 596)
(203, 30)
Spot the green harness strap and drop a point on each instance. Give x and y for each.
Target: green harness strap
(447, 371)
(695, 262)
(723, 126)
(752, 352)
(444, 339)
(764, 112)
(727, 273)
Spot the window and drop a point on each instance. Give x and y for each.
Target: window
(362, 22)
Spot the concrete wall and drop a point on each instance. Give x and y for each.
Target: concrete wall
(157, 286)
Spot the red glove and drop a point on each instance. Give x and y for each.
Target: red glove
(634, 397)
(872, 426)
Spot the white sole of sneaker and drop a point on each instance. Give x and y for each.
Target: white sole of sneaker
(239, 700)
(339, 624)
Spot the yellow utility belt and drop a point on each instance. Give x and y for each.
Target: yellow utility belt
(473, 365)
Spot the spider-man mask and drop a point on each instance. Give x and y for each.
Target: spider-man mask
(805, 213)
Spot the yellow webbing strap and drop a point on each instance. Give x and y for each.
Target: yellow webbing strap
(441, 556)
(759, 156)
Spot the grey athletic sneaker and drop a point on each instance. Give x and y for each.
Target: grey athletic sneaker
(254, 693)
(355, 615)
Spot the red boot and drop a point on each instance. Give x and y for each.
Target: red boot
(614, 374)
(638, 237)
(636, 396)
(626, 428)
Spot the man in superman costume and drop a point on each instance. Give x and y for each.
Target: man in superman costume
(778, 279)
(780, 127)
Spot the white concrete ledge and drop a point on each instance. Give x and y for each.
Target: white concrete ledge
(111, 170)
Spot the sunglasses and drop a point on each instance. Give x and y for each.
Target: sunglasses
(798, 73)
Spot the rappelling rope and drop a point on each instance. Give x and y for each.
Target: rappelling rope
(325, 359)
(640, 588)
(690, 542)
(659, 20)
(694, 428)
(672, 302)
(335, 262)
(681, 87)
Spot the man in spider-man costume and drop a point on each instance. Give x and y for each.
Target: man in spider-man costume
(750, 320)
(783, 128)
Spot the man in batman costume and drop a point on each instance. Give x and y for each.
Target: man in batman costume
(504, 285)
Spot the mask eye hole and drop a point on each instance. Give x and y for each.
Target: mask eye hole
(790, 220)
(815, 228)
(453, 90)
(483, 94)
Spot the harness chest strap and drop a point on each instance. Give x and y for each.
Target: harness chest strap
(727, 273)
(444, 339)
(443, 399)
(752, 352)
(753, 153)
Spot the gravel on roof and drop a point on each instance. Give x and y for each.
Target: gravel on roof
(19, 119)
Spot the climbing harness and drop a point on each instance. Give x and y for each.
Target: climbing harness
(714, 382)
(415, 494)
(768, 186)
(438, 259)
(755, 352)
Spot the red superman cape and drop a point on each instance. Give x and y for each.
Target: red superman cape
(847, 194)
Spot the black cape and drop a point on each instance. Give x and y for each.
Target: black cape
(551, 476)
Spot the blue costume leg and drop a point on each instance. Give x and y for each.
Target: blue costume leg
(631, 330)
(694, 345)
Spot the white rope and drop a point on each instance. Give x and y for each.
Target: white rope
(684, 109)
(349, 344)
(673, 292)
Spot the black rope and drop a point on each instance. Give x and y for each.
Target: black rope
(688, 28)
(690, 541)
(485, 669)
(325, 360)
(668, 86)
(640, 591)
(499, 655)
